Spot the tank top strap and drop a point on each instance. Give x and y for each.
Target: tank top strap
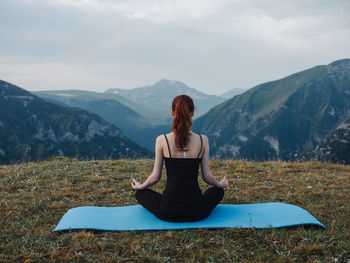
(201, 146)
(166, 138)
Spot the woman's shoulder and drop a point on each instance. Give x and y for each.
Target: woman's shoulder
(204, 137)
(160, 138)
(169, 136)
(163, 137)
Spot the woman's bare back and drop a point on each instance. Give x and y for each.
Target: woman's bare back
(194, 147)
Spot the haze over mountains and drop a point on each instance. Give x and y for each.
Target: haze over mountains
(130, 117)
(282, 119)
(160, 96)
(33, 129)
(231, 93)
(142, 113)
(304, 114)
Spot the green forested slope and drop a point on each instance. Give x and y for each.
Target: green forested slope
(280, 119)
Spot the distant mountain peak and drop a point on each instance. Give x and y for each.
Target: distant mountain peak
(339, 68)
(173, 84)
(160, 95)
(341, 62)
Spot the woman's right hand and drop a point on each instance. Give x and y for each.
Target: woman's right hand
(224, 182)
(136, 185)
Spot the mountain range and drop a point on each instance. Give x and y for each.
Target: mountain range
(302, 115)
(280, 119)
(142, 113)
(132, 118)
(34, 129)
(160, 95)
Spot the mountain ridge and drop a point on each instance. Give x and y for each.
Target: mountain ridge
(280, 118)
(33, 128)
(161, 94)
(232, 92)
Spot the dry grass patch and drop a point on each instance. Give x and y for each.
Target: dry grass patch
(34, 197)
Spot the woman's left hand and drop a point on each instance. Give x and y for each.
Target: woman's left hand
(136, 185)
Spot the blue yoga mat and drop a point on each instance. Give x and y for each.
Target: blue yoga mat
(265, 215)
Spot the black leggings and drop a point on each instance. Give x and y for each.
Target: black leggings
(152, 200)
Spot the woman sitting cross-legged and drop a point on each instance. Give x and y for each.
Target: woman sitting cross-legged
(183, 151)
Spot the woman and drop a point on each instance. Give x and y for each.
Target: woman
(183, 151)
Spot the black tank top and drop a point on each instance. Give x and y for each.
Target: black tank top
(182, 189)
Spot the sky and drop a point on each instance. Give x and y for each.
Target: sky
(210, 45)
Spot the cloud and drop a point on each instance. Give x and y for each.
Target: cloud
(212, 45)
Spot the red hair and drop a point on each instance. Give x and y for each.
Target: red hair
(183, 109)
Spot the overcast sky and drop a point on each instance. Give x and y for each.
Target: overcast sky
(210, 45)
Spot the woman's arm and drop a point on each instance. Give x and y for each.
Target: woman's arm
(207, 176)
(157, 169)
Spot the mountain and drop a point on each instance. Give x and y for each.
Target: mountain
(141, 114)
(33, 129)
(92, 101)
(160, 96)
(231, 93)
(336, 146)
(282, 118)
(131, 117)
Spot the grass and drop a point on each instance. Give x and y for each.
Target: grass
(34, 196)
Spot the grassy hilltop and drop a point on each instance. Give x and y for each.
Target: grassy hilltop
(34, 196)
